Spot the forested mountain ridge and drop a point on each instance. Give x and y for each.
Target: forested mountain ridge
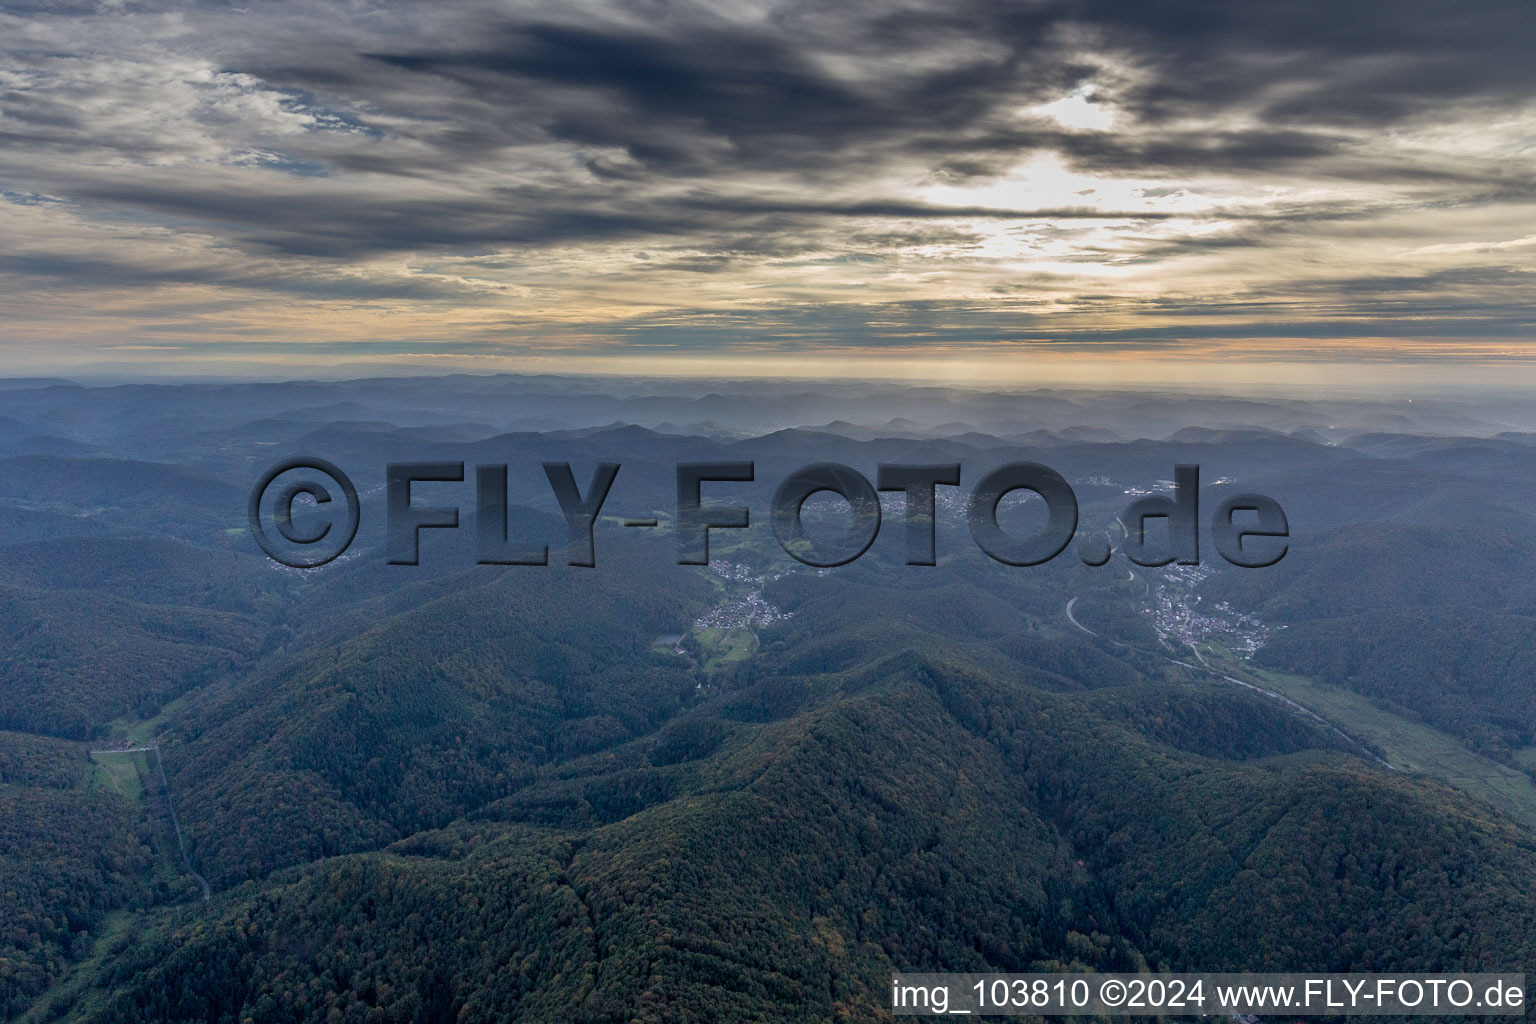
(752, 790)
(927, 818)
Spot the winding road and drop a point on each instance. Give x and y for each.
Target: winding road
(1073, 619)
(1208, 668)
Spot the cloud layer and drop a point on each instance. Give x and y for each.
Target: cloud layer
(295, 181)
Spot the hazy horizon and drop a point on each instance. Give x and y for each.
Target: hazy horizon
(1294, 381)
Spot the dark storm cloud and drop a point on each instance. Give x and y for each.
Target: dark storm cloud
(310, 223)
(1320, 63)
(121, 273)
(664, 91)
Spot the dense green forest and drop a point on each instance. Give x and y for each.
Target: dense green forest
(69, 853)
(913, 815)
(1439, 622)
(746, 792)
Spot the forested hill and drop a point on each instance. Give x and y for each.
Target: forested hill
(777, 852)
(747, 791)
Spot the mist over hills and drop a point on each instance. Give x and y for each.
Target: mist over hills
(62, 413)
(750, 790)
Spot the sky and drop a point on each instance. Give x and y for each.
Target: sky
(969, 189)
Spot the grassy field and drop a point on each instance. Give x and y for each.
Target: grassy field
(136, 776)
(140, 732)
(724, 646)
(119, 773)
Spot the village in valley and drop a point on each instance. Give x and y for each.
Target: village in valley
(1180, 615)
(728, 631)
(750, 611)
